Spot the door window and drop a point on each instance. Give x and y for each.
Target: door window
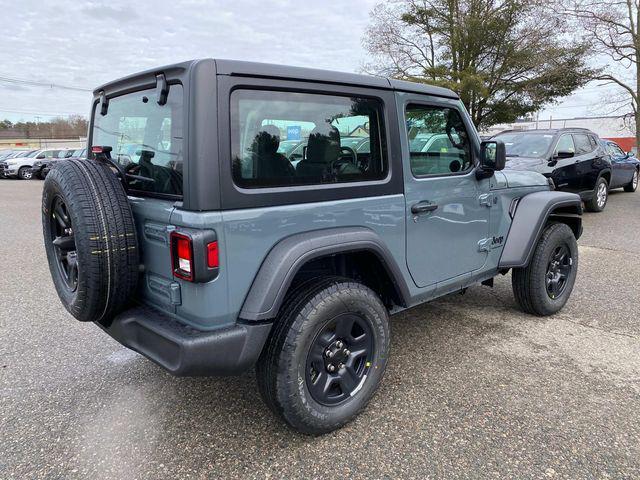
(615, 150)
(438, 141)
(565, 144)
(583, 145)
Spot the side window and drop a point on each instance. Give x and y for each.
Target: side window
(594, 142)
(616, 150)
(438, 141)
(289, 138)
(565, 144)
(583, 145)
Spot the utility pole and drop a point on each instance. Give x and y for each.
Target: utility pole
(38, 131)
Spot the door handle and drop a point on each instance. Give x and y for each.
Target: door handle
(423, 207)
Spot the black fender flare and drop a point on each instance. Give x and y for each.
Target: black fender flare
(283, 261)
(608, 170)
(531, 215)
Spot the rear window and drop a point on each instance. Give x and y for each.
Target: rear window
(146, 139)
(288, 138)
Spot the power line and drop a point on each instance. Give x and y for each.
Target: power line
(45, 114)
(22, 81)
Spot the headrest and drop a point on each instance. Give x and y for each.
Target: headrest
(323, 145)
(267, 140)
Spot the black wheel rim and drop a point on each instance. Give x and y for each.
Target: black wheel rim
(339, 359)
(64, 244)
(558, 271)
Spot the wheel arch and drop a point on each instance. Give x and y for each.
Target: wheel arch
(290, 256)
(534, 211)
(606, 174)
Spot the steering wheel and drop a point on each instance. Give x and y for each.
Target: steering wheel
(350, 151)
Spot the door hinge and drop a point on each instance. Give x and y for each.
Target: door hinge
(484, 245)
(487, 199)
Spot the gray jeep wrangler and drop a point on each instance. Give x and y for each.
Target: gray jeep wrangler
(192, 238)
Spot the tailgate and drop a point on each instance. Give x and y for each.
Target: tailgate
(152, 221)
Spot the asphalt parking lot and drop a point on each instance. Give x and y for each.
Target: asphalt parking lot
(474, 388)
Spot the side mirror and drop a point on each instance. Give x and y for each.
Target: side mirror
(493, 157)
(629, 154)
(564, 154)
(40, 156)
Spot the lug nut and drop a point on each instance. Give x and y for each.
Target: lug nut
(339, 344)
(341, 365)
(347, 352)
(331, 368)
(329, 353)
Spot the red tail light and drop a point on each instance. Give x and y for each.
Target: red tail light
(212, 255)
(182, 256)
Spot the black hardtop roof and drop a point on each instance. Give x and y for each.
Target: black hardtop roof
(268, 70)
(548, 131)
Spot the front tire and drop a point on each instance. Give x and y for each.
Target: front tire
(544, 286)
(326, 354)
(24, 173)
(633, 185)
(600, 196)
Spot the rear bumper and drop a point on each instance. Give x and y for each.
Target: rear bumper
(185, 351)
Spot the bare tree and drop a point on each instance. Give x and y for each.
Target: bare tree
(612, 29)
(505, 58)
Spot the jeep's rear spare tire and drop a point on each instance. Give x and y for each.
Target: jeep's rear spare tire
(90, 239)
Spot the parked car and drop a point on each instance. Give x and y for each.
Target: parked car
(42, 167)
(574, 158)
(626, 167)
(20, 165)
(6, 153)
(15, 154)
(245, 260)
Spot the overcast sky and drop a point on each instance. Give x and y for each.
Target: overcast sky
(84, 44)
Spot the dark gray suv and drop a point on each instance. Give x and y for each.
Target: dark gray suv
(189, 238)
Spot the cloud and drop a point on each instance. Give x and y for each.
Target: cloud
(89, 43)
(101, 11)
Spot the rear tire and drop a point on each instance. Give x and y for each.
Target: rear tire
(24, 173)
(544, 286)
(90, 239)
(633, 185)
(295, 363)
(600, 196)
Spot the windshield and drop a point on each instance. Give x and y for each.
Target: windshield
(146, 139)
(526, 144)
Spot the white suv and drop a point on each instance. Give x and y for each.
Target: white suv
(21, 166)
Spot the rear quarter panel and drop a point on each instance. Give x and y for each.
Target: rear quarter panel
(246, 236)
